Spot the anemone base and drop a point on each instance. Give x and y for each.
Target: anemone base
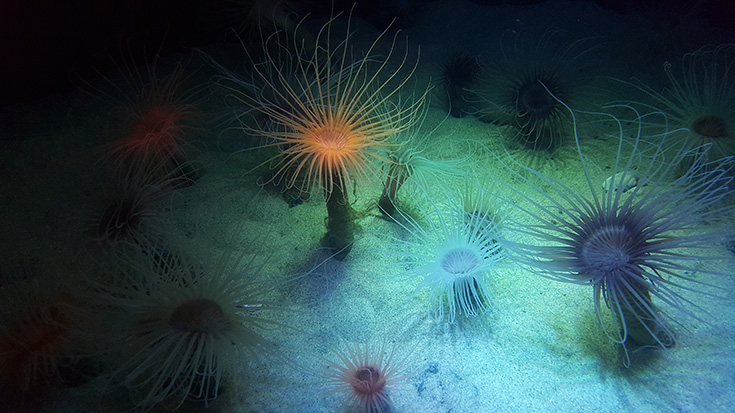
(340, 225)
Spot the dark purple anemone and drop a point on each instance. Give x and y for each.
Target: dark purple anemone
(638, 238)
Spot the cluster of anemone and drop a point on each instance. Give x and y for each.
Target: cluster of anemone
(150, 161)
(180, 318)
(51, 329)
(636, 238)
(513, 91)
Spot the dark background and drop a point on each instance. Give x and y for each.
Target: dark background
(47, 46)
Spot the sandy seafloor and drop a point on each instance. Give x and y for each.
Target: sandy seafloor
(539, 349)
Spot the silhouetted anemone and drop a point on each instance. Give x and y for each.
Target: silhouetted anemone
(637, 238)
(155, 105)
(182, 319)
(131, 209)
(45, 330)
(453, 247)
(701, 99)
(457, 75)
(512, 91)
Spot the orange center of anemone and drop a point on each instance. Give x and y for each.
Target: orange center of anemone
(331, 139)
(155, 129)
(334, 148)
(368, 382)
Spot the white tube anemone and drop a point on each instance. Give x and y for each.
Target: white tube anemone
(453, 248)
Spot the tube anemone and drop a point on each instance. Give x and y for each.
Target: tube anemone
(131, 210)
(45, 331)
(415, 161)
(365, 376)
(458, 74)
(157, 108)
(157, 120)
(333, 124)
(410, 163)
(511, 91)
(453, 248)
(701, 100)
(181, 322)
(637, 245)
